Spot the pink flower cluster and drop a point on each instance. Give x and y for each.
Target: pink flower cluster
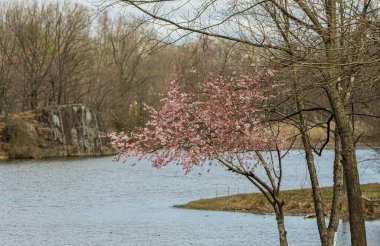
(198, 122)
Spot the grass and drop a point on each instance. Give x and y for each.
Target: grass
(297, 202)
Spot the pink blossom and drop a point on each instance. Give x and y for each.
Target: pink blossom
(223, 116)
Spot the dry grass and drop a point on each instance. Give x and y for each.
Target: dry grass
(22, 140)
(366, 134)
(297, 202)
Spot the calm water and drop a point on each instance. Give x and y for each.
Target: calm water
(99, 202)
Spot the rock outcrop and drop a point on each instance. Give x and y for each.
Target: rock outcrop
(66, 130)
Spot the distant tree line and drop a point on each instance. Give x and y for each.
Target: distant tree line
(59, 53)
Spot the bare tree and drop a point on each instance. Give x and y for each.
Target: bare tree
(7, 58)
(70, 46)
(32, 28)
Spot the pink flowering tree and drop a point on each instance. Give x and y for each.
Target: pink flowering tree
(215, 118)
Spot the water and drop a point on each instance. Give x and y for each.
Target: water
(99, 202)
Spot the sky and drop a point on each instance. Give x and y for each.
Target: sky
(114, 9)
(95, 4)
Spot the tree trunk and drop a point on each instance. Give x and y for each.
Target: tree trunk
(33, 100)
(281, 225)
(310, 163)
(350, 168)
(336, 205)
(2, 99)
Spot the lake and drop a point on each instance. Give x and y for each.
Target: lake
(94, 201)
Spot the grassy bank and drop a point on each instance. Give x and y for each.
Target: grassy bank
(297, 202)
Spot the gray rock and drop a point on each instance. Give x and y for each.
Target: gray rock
(65, 130)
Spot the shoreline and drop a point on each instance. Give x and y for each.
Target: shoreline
(297, 203)
(5, 157)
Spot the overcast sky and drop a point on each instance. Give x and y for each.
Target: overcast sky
(114, 9)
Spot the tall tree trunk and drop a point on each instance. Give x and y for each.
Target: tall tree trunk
(354, 194)
(350, 168)
(317, 197)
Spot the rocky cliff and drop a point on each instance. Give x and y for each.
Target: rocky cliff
(66, 130)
